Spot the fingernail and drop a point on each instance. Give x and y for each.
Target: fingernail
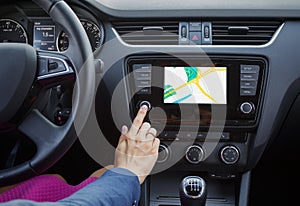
(124, 130)
(144, 107)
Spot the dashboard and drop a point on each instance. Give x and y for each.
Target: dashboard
(42, 33)
(219, 80)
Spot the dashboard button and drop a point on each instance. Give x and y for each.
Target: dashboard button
(201, 136)
(148, 104)
(143, 83)
(144, 91)
(248, 92)
(142, 67)
(249, 69)
(140, 75)
(248, 84)
(225, 136)
(249, 76)
(195, 26)
(195, 37)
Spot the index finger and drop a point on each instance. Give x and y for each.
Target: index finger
(138, 120)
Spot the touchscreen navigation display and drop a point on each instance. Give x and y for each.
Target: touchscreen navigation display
(195, 85)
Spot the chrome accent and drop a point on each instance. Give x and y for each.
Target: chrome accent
(203, 46)
(229, 147)
(243, 110)
(26, 37)
(201, 154)
(67, 71)
(166, 149)
(200, 181)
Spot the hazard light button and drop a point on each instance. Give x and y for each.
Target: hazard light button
(195, 38)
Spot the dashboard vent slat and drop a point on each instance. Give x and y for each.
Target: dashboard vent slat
(259, 32)
(139, 32)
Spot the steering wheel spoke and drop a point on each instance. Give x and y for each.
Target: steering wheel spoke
(53, 69)
(47, 138)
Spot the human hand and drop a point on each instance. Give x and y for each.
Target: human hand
(137, 150)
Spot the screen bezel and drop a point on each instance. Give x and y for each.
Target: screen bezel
(233, 117)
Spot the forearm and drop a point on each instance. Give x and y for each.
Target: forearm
(115, 187)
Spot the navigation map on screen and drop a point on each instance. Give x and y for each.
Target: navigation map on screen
(195, 85)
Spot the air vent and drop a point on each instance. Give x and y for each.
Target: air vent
(148, 32)
(243, 32)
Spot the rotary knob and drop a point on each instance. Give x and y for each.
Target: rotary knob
(194, 154)
(163, 154)
(247, 108)
(230, 155)
(148, 104)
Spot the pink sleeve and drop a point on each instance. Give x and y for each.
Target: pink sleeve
(44, 188)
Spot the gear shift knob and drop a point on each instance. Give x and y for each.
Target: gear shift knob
(192, 191)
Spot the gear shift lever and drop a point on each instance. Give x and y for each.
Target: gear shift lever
(192, 191)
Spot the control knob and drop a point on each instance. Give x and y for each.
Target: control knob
(163, 154)
(194, 154)
(247, 108)
(230, 155)
(148, 104)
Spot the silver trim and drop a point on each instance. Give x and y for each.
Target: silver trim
(185, 183)
(67, 71)
(249, 104)
(201, 154)
(147, 103)
(97, 25)
(229, 147)
(26, 37)
(166, 149)
(202, 46)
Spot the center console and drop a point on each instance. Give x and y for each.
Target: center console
(205, 108)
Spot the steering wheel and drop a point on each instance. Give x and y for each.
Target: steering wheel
(24, 70)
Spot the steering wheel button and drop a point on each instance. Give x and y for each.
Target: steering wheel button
(55, 66)
(42, 67)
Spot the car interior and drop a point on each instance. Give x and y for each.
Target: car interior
(221, 81)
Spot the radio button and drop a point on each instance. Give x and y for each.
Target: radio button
(225, 136)
(201, 136)
(142, 67)
(248, 92)
(247, 108)
(143, 83)
(144, 91)
(142, 75)
(245, 69)
(248, 84)
(249, 76)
